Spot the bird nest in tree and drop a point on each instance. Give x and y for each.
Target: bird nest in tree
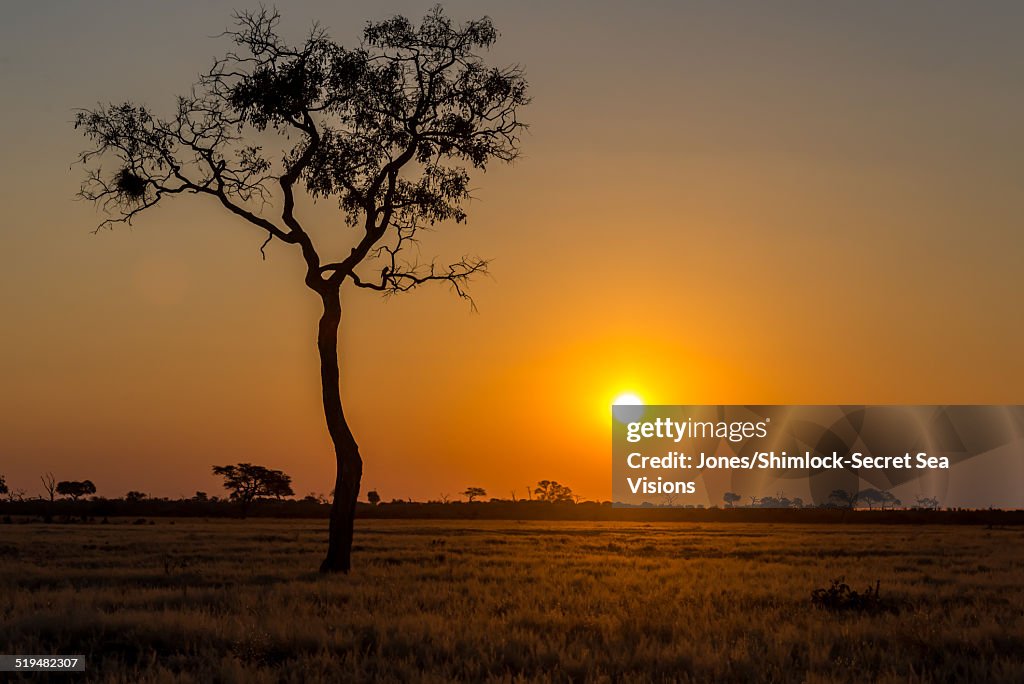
(130, 186)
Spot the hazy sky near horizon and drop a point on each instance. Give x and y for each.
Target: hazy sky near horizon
(718, 202)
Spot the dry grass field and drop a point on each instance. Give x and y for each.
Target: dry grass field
(240, 601)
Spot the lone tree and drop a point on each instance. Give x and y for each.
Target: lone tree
(730, 499)
(76, 489)
(387, 130)
(3, 485)
(373, 497)
(473, 492)
(248, 482)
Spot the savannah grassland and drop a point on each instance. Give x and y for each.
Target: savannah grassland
(240, 601)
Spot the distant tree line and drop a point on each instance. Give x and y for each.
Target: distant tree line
(247, 483)
(838, 498)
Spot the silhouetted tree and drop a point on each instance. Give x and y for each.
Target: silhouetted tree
(49, 485)
(75, 489)
(889, 500)
(473, 492)
(11, 494)
(841, 497)
(134, 497)
(927, 502)
(373, 497)
(200, 497)
(386, 130)
(550, 490)
(731, 498)
(248, 482)
(871, 497)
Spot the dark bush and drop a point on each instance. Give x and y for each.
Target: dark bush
(841, 598)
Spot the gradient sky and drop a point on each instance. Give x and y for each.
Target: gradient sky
(718, 202)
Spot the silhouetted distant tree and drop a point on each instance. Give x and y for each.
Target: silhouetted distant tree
(386, 131)
(373, 497)
(731, 498)
(11, 494)
(200, 497)
(134, 497)
(550, 490)
(927, 502)
(843, 498)
(76, 489)
(49, 485)
(473, 492)
(248, 482)
(889, 500)
(871, 497)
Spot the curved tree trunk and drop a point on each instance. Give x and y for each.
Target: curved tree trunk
(346, 451)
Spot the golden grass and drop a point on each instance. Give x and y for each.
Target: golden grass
(240, 601)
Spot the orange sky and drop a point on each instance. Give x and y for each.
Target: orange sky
(715, 205)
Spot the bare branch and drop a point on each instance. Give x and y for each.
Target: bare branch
(396, 281)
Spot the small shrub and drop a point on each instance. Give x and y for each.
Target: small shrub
(841, 598)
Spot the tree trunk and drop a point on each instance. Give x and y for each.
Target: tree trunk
(346, 451)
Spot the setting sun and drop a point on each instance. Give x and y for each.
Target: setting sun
(627, 399)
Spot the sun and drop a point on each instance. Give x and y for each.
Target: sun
(627, 399)
(627, 408)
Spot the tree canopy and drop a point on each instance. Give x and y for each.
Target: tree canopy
(472, 493)
(75, 489)
(248, 482)
(387, 130)
(551, 490)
